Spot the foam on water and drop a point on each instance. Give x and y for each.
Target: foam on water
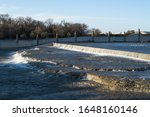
(35, 60)
(15, 59)
(104, 54)
(36, 48)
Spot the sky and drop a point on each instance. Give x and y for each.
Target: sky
(107, 15)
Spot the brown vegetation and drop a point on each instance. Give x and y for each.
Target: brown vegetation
(28, 28)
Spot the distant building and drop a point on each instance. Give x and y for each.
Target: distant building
(145, 32)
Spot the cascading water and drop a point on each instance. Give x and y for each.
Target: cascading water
(14, 59)
(17, 75)
(54, 73)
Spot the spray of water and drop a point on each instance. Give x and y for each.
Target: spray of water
(18, 58)
(15, 60)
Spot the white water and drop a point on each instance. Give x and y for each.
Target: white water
(15, 60)
(104, 54)
(35, 60)
(36, 48)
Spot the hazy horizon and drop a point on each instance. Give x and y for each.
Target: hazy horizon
(116, 16)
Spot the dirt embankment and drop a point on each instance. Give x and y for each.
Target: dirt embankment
(121, 84)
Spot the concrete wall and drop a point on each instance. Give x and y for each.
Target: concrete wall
(145, 38)
(132, 38)
(84, 39)
(117, 39)
(44, 41)
(27, 43)
(6, 44)
(101, 39)
(68, 40)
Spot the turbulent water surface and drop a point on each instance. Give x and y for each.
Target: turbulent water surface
(46, 72)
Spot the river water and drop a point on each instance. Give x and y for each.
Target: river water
(15, 75)
(37, 73)
(26, 78)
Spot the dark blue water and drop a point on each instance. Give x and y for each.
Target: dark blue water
(19, 78)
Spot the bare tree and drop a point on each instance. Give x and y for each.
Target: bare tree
(28, 28)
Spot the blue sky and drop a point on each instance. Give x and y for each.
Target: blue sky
(108, 15)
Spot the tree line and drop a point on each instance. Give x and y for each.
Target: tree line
(29, 28)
